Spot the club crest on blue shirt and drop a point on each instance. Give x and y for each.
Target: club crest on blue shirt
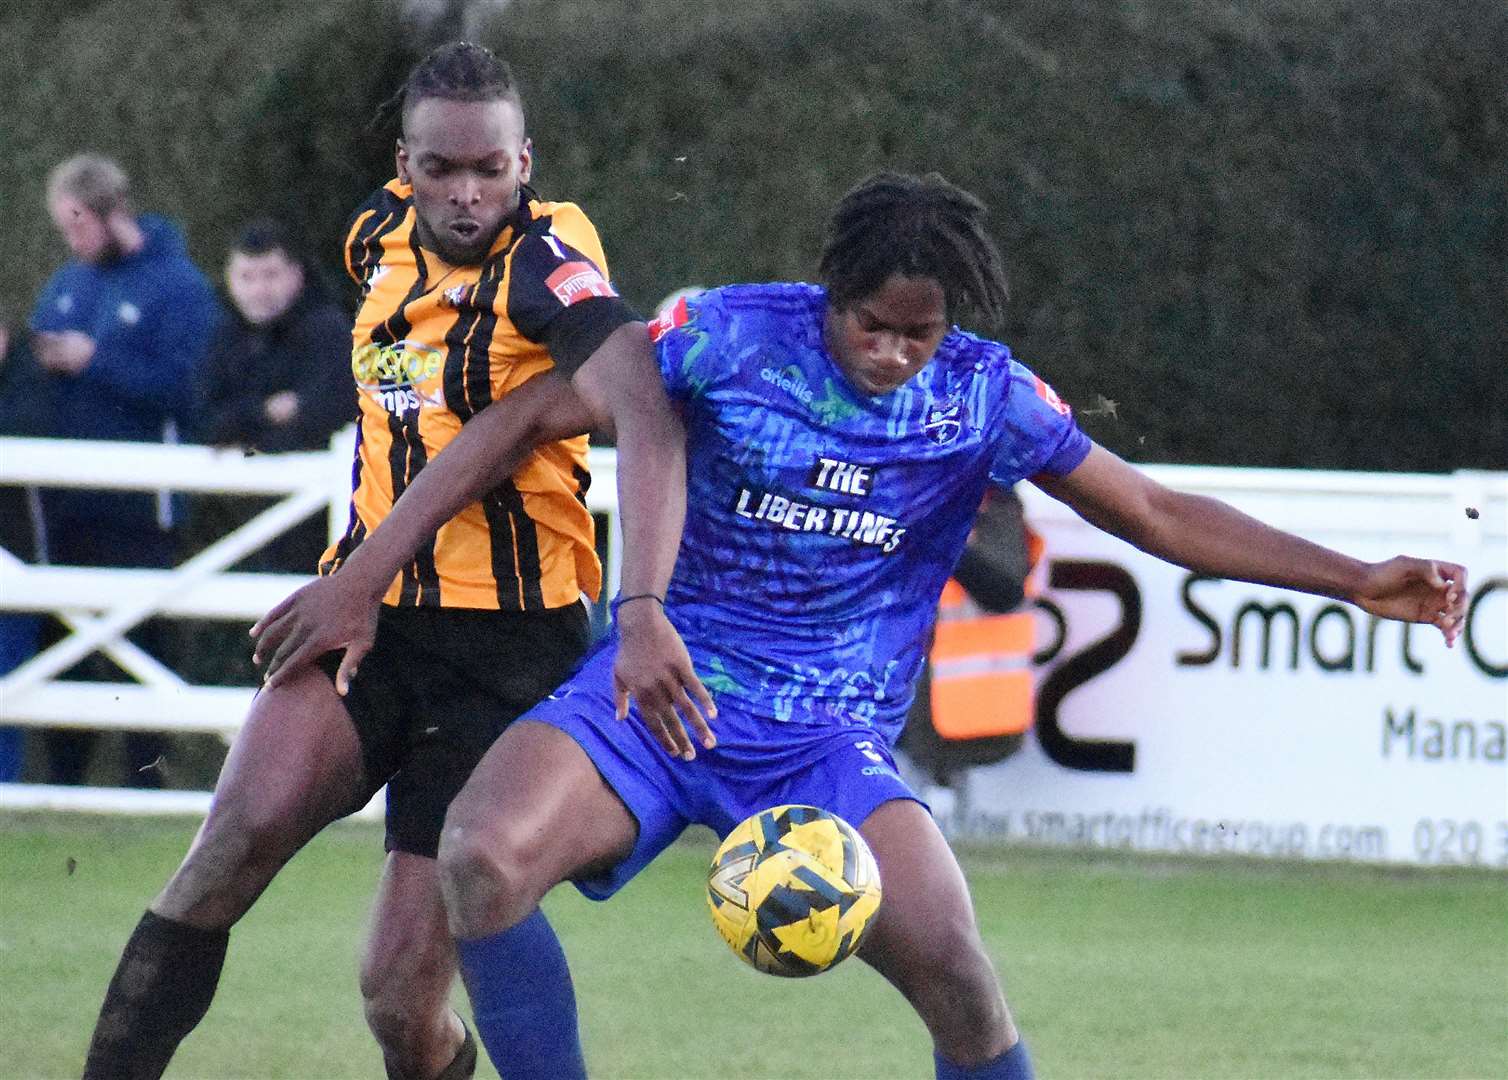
(944, 421)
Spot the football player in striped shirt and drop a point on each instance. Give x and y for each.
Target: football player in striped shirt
(471, 285)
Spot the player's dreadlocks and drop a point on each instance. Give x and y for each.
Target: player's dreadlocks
(917, 226)
(456, 71)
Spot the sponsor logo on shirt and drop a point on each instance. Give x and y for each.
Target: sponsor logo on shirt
(791, 381)
(860, 527)
(828, 409)
(391, 375)
(575, 281)
(402, 363)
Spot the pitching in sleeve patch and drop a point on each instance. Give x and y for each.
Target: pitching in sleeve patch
(663, 323)
(1049, 395)
(548, 278)
(575, 278)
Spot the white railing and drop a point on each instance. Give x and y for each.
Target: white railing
(100, 605)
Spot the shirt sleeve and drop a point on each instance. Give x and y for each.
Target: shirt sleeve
(1040, 434)
(59, 305)
(683, 336)
(559, 293)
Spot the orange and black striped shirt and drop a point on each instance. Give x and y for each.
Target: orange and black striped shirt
(433, 344)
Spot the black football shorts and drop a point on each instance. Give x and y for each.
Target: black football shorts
(438, 687)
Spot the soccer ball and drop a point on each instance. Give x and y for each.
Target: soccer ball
(793, 889)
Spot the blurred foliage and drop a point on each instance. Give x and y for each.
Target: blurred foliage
(1255, 232)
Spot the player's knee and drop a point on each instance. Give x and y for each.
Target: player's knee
(484, 876)
(405, 985)
(386, 1017)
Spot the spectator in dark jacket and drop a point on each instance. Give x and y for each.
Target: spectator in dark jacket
(121, 331)
(278, 376)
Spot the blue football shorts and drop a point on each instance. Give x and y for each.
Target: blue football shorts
(758, 763)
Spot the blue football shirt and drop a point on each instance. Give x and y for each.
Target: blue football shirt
(822, 523)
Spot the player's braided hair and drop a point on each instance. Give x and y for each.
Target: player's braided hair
(917, 226)
(456, 71)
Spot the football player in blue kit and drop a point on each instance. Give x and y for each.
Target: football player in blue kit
(839, 440)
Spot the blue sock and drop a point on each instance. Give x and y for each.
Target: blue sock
(523, 1001)
(1014, 1064)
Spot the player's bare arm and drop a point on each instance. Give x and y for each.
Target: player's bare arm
(340, 611)
(652, 667)
(1212, 537)
(618, 388)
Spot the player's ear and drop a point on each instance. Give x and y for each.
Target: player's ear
(526, 161)
(402, 161)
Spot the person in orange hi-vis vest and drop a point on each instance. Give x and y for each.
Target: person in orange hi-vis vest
(976, 699)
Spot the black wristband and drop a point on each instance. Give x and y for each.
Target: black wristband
(620, 601)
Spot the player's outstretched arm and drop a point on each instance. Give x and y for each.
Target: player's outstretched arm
(621, 383)
(1212, 537)
(340, 611)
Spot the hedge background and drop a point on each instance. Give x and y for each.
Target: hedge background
(1253, 232)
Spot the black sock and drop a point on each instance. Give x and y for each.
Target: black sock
(461, 1067)
(161, 990)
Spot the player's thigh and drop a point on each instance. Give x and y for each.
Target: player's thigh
(537, 802)
(298, 753)
(926, 919)
(409, 960)
(294, 767)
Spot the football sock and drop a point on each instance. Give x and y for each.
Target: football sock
(1014, 1064)
(461, 1067)
(523, 1001)
(161, 990)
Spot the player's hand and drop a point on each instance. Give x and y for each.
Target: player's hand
(64, 352)
(318, 618)
(654, 669)
(1416, 590)
(281, 407)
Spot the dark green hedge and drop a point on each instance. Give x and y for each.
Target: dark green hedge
(1271, 232)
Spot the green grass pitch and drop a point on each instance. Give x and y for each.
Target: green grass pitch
(1116, 967)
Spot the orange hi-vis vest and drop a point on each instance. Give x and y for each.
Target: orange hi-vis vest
(982, 685)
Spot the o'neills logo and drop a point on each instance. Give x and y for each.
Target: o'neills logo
(791, 381)
(575, 281)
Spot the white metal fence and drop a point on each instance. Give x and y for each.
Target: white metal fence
(100, 605)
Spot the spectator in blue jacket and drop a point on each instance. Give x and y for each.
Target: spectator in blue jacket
(120, 330)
